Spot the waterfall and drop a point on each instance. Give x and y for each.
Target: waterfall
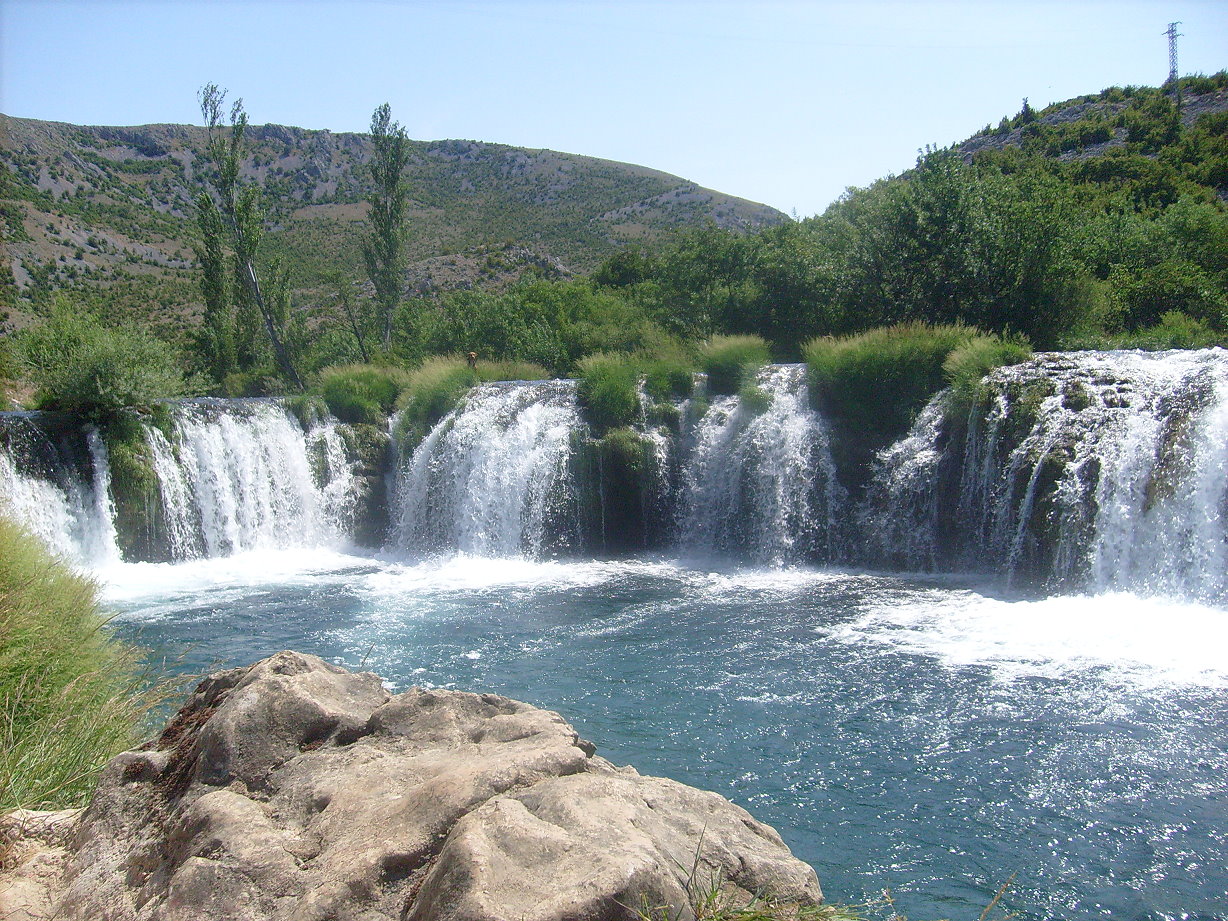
(55, 480)
(758, 476)
(491, 478)
(1097, 470)
(244, 475)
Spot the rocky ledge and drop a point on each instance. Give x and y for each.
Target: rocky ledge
(294, 789)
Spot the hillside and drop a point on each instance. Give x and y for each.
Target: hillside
(108, 211)
(1109, 137)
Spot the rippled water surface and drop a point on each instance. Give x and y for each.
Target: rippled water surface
(899, 732)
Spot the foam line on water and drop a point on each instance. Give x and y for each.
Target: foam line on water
(1140, 640)
(132, 583)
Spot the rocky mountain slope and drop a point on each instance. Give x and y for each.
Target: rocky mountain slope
(109, 210)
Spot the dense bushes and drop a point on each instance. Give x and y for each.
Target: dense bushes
(873, 384)
(608, 391)
(881, 378)
(78, 365)
(70, 696)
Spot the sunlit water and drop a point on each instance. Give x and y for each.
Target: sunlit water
(912, 733)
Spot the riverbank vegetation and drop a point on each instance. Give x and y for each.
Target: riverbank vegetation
(1096, 223)
(71, 697)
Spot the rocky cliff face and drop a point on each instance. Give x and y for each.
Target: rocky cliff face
(293, 789)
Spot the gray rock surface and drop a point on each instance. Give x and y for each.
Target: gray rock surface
(296, 790)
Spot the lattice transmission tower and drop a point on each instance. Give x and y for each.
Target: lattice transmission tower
(1172, 34)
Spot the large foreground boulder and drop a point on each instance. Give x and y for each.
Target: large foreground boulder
(296, 790)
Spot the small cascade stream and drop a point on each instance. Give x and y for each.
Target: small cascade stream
(759, 480)
(491, 478)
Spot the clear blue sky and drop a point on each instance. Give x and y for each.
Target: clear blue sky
(784, 103)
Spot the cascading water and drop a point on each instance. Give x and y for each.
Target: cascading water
(1101, 470)
(760, 479)
(491, 478)
(243, 475)
(57, 483)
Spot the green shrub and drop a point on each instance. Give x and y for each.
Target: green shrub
(669, 378)
(362, 393)
(1176, 330)
(608, 390)
(80, 366)
(878, 380)
(754, 399)
(968, 363)
(434, 389)
(71, 697)
(731, 361)
(511, 371)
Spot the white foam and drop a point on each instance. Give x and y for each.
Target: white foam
(211, 578)
(463, 573)
(1141, 640)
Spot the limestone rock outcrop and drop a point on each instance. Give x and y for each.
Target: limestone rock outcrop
(296, 790)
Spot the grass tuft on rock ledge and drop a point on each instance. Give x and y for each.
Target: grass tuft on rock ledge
(732, 361)
(71, 697)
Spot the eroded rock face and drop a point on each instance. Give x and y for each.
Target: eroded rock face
(296, 790)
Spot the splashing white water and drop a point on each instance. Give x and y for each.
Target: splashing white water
(239, 476)
(492, 476)
(41, 488)
(1106, 470)
(762, 482)
(1142, 641)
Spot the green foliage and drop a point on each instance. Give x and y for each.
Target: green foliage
(668, 377)
(362, 393)
(754, 399)
(966, 364)
(70, 696)
(875, 382)
(608, 390)
(80, 366)
(510, 371)
(433, 390)
(732, 361)
(1175, 330)
(383, 250)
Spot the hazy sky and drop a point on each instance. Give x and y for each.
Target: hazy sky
(784, 103)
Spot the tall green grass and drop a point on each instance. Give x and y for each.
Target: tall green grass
(731, 361)
(71, 697)
(362, 393)
(609, 389)
(873, 384)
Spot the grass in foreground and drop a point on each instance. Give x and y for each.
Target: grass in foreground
(71, 697)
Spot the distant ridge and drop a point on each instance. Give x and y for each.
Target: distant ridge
(107, 210)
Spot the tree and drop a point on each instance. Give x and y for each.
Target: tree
(242, 217)
(217, 338)
(384, 249)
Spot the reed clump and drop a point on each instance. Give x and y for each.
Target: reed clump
(731, 362)
(71, 696)
(362, 393)
(609, 389)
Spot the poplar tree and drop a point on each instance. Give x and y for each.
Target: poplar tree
(217, 338)
(241, 217)
(384, 248)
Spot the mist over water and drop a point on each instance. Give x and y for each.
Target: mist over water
(1058, 714)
